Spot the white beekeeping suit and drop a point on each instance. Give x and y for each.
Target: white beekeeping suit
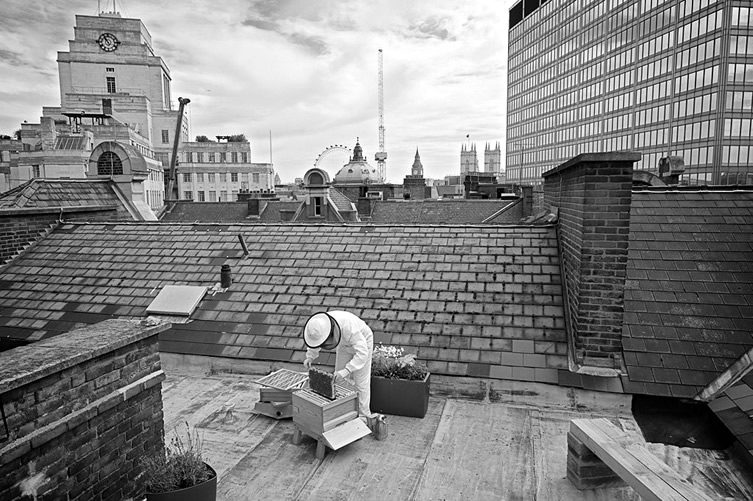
(355, 345)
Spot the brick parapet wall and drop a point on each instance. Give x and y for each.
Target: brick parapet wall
(81, 409)
(592, 193)
(19, 228)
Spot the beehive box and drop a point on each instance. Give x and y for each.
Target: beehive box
(316, 415)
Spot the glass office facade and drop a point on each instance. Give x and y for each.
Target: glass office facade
(661, 77)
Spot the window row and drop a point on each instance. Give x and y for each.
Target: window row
(687, 7)
(655, 68)
(619, 81)
(221, 177)
(737, 155)
(656, 22)
(696, 156)
(215, 157)
(737, 127)
(652, 115)
(656, 137)
(652, 92)
(699, 53)
(700, 27)
(741, 45)
(742, 17)
(201, 196)
(695, 106)
(739, 101)
(740, 73)
(618, 123)
(656, 45)
(619, 60)
(693, 132)
(619, 143)
(618, 102)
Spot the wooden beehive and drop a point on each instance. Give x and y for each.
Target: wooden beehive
(315, 414)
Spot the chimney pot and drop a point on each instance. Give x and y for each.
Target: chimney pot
(225, 277)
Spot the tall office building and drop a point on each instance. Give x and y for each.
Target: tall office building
(661, 77)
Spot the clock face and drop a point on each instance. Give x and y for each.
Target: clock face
(108, 42)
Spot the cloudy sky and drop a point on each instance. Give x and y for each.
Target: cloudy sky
(306, 70)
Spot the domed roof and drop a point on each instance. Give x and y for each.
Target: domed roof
(357, 171)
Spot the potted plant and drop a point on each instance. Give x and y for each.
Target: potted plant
(180, 473)
(399, 384)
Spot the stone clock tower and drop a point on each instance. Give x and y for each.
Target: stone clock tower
(111, 68)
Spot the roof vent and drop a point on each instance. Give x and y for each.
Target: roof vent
(177, 300)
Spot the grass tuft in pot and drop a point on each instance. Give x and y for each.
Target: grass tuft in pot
(181, 465)
(392, 363)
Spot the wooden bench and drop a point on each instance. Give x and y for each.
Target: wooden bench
(635, 464)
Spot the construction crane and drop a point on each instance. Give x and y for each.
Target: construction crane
(381, 155)
(171, 193)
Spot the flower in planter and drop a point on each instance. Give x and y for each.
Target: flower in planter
(181, 465)
(392, 362)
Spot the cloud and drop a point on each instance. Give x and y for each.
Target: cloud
(12, 58)
(261, 24)
(432, 28)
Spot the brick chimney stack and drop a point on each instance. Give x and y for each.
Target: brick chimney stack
(592, 193)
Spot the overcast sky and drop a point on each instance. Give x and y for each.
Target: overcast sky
(304, 69)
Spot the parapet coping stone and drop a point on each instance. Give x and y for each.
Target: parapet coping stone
(59, 209)
(25, 364)
(617, 156)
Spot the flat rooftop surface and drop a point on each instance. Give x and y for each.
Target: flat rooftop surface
(512, 449)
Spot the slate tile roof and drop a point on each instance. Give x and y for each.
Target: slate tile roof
(689, 288)
(469, 300)
(38, 193)
(459, 211)
(208, 212)
(342, 202)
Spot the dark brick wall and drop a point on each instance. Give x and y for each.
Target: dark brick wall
(19, 228)
(592, 193)
(82, 409)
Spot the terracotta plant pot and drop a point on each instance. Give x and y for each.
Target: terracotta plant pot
(400, 397)
(205, 491)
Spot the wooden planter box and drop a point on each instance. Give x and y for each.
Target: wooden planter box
(400, 397)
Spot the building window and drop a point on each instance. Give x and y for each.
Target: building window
(109, 164)
(223, 196)
(200, 156)
(186, 177)
(210, 177)
(317, 206)
(244, 157)
(234, 196)
(223, 157)
(201, 196)
(223, 177)
(199, 177)
(211, 157)
(187, 195)
(165, 136)
(189, 157)
(255, 177)
(109, 70)
(212, 196)
(233, 177)
(111, 89)
(235, 157)
(35, 171)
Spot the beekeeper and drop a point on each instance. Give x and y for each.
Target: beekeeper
(355, 344)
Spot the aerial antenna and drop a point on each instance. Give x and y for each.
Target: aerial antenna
(381, 155)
